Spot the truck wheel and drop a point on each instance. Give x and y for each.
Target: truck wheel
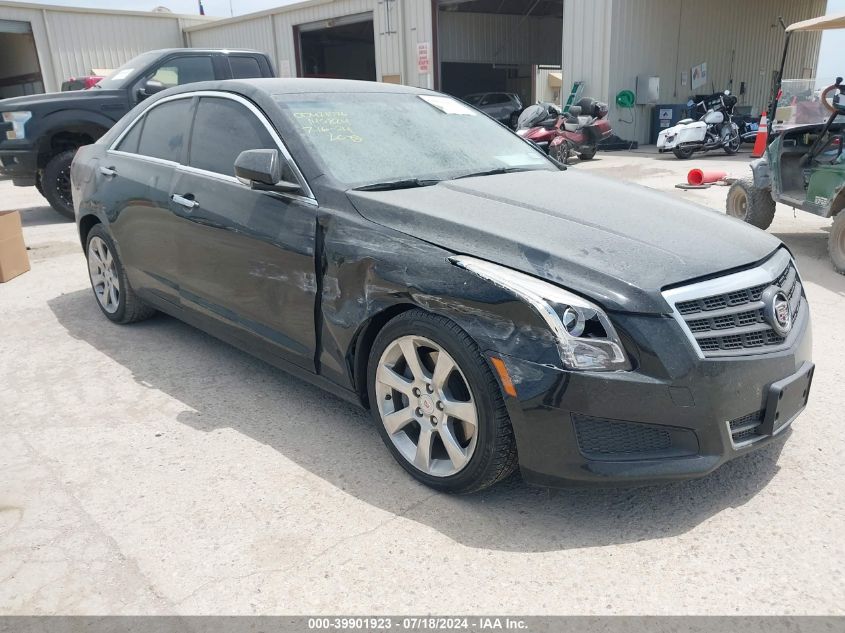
(836, 243)
(748, 203)
(38, 186)
(438, 406)
(682, 152)
(55, 183)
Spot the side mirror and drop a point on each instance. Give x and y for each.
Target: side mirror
(261, 169)
(150, 87)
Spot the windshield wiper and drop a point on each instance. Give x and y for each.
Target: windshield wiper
(407, 183)
(494, 172)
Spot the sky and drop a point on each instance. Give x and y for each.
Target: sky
(830, 57)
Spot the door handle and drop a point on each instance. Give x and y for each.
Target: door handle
(186, 201)
(108, 172)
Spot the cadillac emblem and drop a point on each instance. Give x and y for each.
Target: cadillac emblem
(776, 310)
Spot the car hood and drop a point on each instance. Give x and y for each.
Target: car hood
(53, 101)
(617, 243)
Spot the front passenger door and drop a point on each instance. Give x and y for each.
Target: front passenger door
(247, 258)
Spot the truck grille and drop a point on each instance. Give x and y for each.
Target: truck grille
(731, 322)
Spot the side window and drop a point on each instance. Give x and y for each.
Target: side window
(130, 141)
(499, 98)
(184, 70)
(244, 67)
(223, 129)
(165, 129)
(487, 100)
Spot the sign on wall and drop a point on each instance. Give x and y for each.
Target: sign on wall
(423, 57)
(699, 75)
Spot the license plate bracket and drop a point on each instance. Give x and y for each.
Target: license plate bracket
(786, 399)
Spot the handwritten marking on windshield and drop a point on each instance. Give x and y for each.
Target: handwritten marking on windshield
(335, 125)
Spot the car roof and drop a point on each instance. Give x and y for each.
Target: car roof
(167, 51)
(276, 86)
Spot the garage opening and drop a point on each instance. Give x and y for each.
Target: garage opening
(497, 47)
(342, 48)
(20, 73)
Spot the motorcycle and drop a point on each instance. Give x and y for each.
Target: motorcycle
(715, 129)
(577, 131)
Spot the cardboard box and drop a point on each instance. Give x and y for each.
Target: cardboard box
(13, 258)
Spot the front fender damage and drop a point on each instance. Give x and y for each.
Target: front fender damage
(369, 274)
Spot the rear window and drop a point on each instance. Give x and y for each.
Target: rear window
(244, 67)
(165, 129)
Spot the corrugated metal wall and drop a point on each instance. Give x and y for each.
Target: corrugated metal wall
(737, 39)
(273, 33)
(499, 39)
(586, 46)
(73, 41)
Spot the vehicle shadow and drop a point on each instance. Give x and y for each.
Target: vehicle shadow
(336, 441)
(41, 216)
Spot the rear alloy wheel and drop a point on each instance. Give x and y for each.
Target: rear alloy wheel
(588, 154)
(836, 243)
(55, 183)
(437, 405)
(111, 288)
(750, 204)
(682, 152)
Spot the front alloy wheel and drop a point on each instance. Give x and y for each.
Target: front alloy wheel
(426, 406)
(437, 404)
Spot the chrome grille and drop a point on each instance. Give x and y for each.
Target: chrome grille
(724, 316)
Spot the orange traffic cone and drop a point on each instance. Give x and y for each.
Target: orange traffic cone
(762, 137)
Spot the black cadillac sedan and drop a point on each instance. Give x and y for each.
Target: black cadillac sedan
(403, 251)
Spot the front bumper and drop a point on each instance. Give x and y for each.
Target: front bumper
(21, 165)
(669, 419)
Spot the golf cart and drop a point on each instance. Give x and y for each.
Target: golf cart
(804, 163)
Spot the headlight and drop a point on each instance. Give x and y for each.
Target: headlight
(585, 336)
(18, 121)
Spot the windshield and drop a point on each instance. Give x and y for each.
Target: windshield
(369, 138)
(121, 77)
(800, 104)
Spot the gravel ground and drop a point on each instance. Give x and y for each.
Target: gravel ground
(151, 469)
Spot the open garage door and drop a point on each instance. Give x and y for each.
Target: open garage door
(496, 46)
(20, 73)
(343, 48)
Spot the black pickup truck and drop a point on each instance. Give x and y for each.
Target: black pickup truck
(39, 134)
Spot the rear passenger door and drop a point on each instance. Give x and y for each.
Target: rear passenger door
(247, 258)
(135, 186)
(249, 66)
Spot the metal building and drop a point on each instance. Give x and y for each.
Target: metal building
(677, 48)
(464, 46)
(41, 46)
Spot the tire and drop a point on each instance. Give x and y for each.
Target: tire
(55, 183)
(486, 453)
(103, 258)
(589, 154)
(682, 152)
(733, 147)
(750, 204)
(836, 243)
(38, 186)
(560, 153)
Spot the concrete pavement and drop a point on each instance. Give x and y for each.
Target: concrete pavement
(151, 469)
